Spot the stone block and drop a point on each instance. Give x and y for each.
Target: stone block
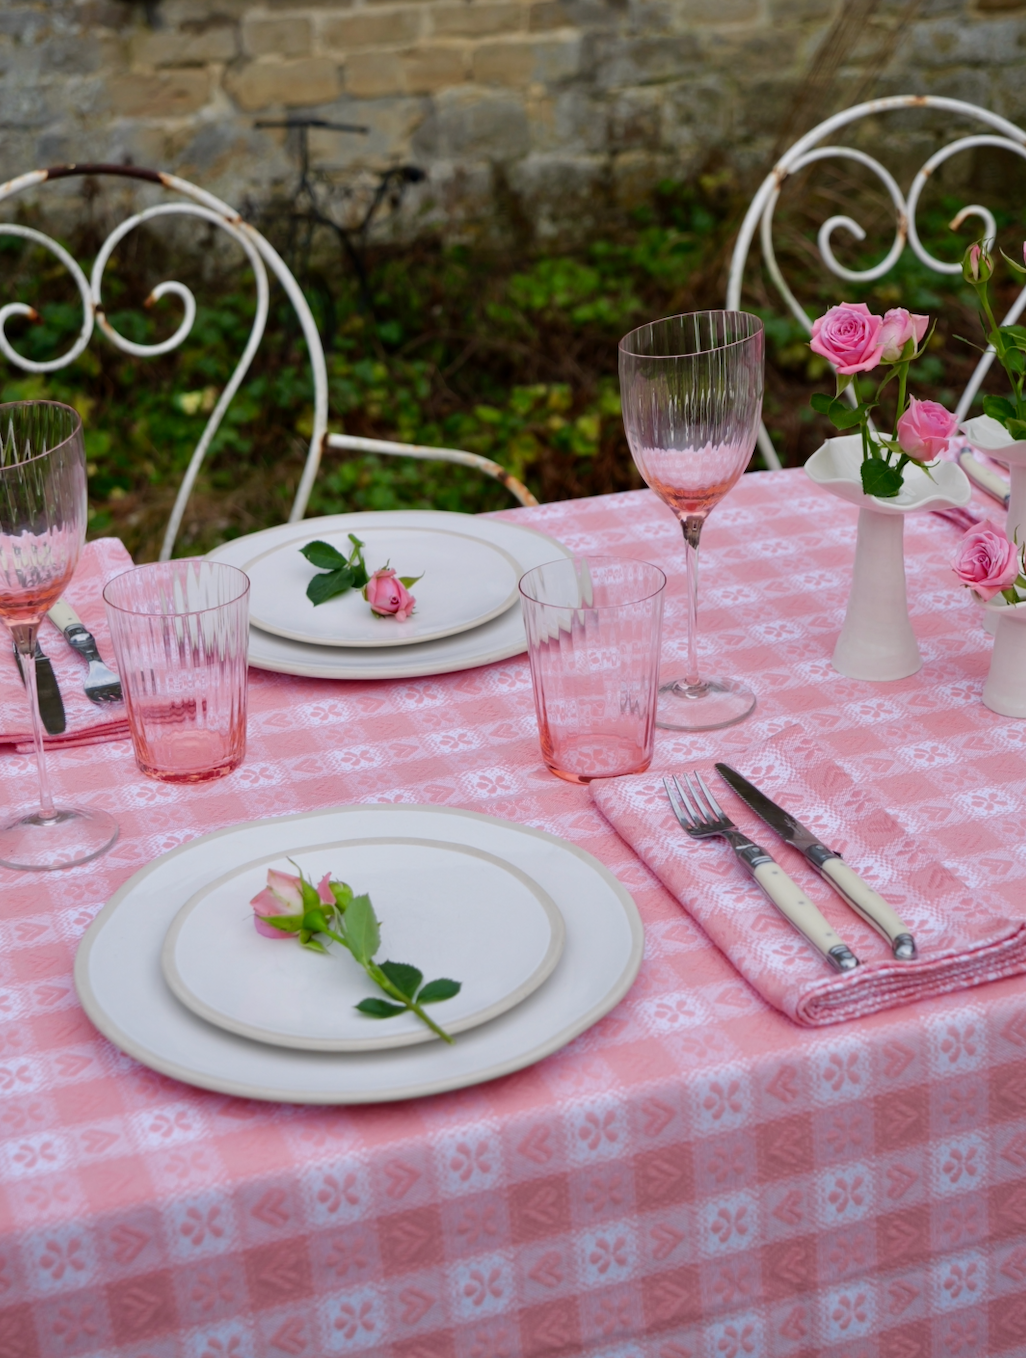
(165, 94)
(546, 15)
(468, 19)
(78, 54)
(623, 62)
(164, 48)
(473, 125)
(372, 28)
(946, 42)
(432, 68)
(800, 11)
(519, 61)
(290, 37)
(374, 75)
(265, 84)
(635, 118)
(563, 197)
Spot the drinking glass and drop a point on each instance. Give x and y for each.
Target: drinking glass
(593, 627)
(180, 631)
(42, 529)
(691, 388)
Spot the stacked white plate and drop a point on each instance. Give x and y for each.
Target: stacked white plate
(467, 610)
(543, 939)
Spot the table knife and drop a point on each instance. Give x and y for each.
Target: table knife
(988, 480)
(102, 685)
(830, 865)
(48, 695)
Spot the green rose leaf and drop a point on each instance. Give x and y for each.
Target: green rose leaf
(360, 929)
(998, 408)
(405, 978)
(1017, 428)
(880, 478)
(380, 1009)
(324, 587)
(323, 556)
(822, 402)
(436, 991)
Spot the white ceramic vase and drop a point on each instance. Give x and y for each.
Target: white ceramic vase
(1005, 689)
(877, 641)
(991, 437)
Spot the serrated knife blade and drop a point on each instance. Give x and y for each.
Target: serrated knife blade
(866, 902)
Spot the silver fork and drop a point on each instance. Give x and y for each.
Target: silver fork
(101, 684)
(703, 818)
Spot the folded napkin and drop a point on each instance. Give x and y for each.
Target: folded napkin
(88, 723)
(961, 942)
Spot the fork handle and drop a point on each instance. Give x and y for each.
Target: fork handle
(804, 915)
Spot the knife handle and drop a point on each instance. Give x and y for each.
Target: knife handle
(871, 906)
(990, 481)
(799, 911)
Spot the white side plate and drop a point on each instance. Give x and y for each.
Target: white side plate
(466, 582)
(496, 640)
(119, 980)
(450, 910)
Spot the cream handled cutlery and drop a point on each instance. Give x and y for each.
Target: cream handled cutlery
(101, 685)
(845, 880)
(700, 819)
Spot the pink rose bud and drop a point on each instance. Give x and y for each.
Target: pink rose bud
(986, 561)
(388, 596)
(849, 336)
(324, 890)
(281, 896)
(977, 264)
(924, 430)
(899, 326)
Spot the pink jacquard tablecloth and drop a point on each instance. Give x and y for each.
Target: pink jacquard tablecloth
(695, 1177)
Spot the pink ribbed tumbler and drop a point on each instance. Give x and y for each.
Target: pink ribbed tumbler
(181, 632)
(593, 629)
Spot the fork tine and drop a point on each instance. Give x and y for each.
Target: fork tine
(697, 817)
(704, 814)
(717, 809)
(678, 810)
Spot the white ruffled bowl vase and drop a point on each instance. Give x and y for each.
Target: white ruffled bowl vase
(991, 437)
(1005, 689)
(877, 641)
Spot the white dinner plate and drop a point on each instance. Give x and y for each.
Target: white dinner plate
(448, 909)
(120, 983)
(496, 640)
(464, 582)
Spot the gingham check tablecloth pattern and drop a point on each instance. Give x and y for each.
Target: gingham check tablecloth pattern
(695, 1177)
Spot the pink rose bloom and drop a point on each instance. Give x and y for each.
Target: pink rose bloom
(900, 326)
(283, 896)
(924, 429)
(388, 596)
(848, 335)
(986, 561)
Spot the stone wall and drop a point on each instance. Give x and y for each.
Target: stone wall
(544, 113)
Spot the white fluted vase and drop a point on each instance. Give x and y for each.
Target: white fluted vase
(990, 436)
(1005, 689)
(877, 641)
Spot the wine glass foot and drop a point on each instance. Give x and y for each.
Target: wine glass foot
(72, 835)
(705, 706)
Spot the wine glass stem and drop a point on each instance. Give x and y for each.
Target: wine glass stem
(692, 526)
(25, 639)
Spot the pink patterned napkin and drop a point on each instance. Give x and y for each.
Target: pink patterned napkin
(961, 941)
(88, 722)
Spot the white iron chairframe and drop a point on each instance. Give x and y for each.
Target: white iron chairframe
(261, 255)
(808, 150)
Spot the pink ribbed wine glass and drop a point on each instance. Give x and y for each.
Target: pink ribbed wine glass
(691, 388)
(42, 529)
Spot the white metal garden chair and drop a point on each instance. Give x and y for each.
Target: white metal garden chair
(808, 149)
(261, 255)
